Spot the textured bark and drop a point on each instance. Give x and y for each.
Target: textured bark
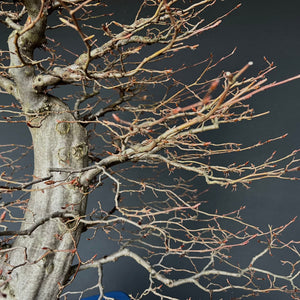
(37, 264)
(46, 255)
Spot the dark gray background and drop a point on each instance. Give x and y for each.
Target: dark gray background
(259, 28)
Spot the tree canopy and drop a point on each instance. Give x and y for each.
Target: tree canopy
(113, 112)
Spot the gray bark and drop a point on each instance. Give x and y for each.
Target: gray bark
(36, 266)
(39, 262)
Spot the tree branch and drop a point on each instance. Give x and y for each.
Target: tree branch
(32, 228)
(9, 86)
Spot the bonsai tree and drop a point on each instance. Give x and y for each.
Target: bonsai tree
(106, 126)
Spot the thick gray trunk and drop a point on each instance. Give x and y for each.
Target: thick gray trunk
(38, 265)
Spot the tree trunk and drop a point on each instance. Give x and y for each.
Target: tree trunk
(39, 263)
(36, 265)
